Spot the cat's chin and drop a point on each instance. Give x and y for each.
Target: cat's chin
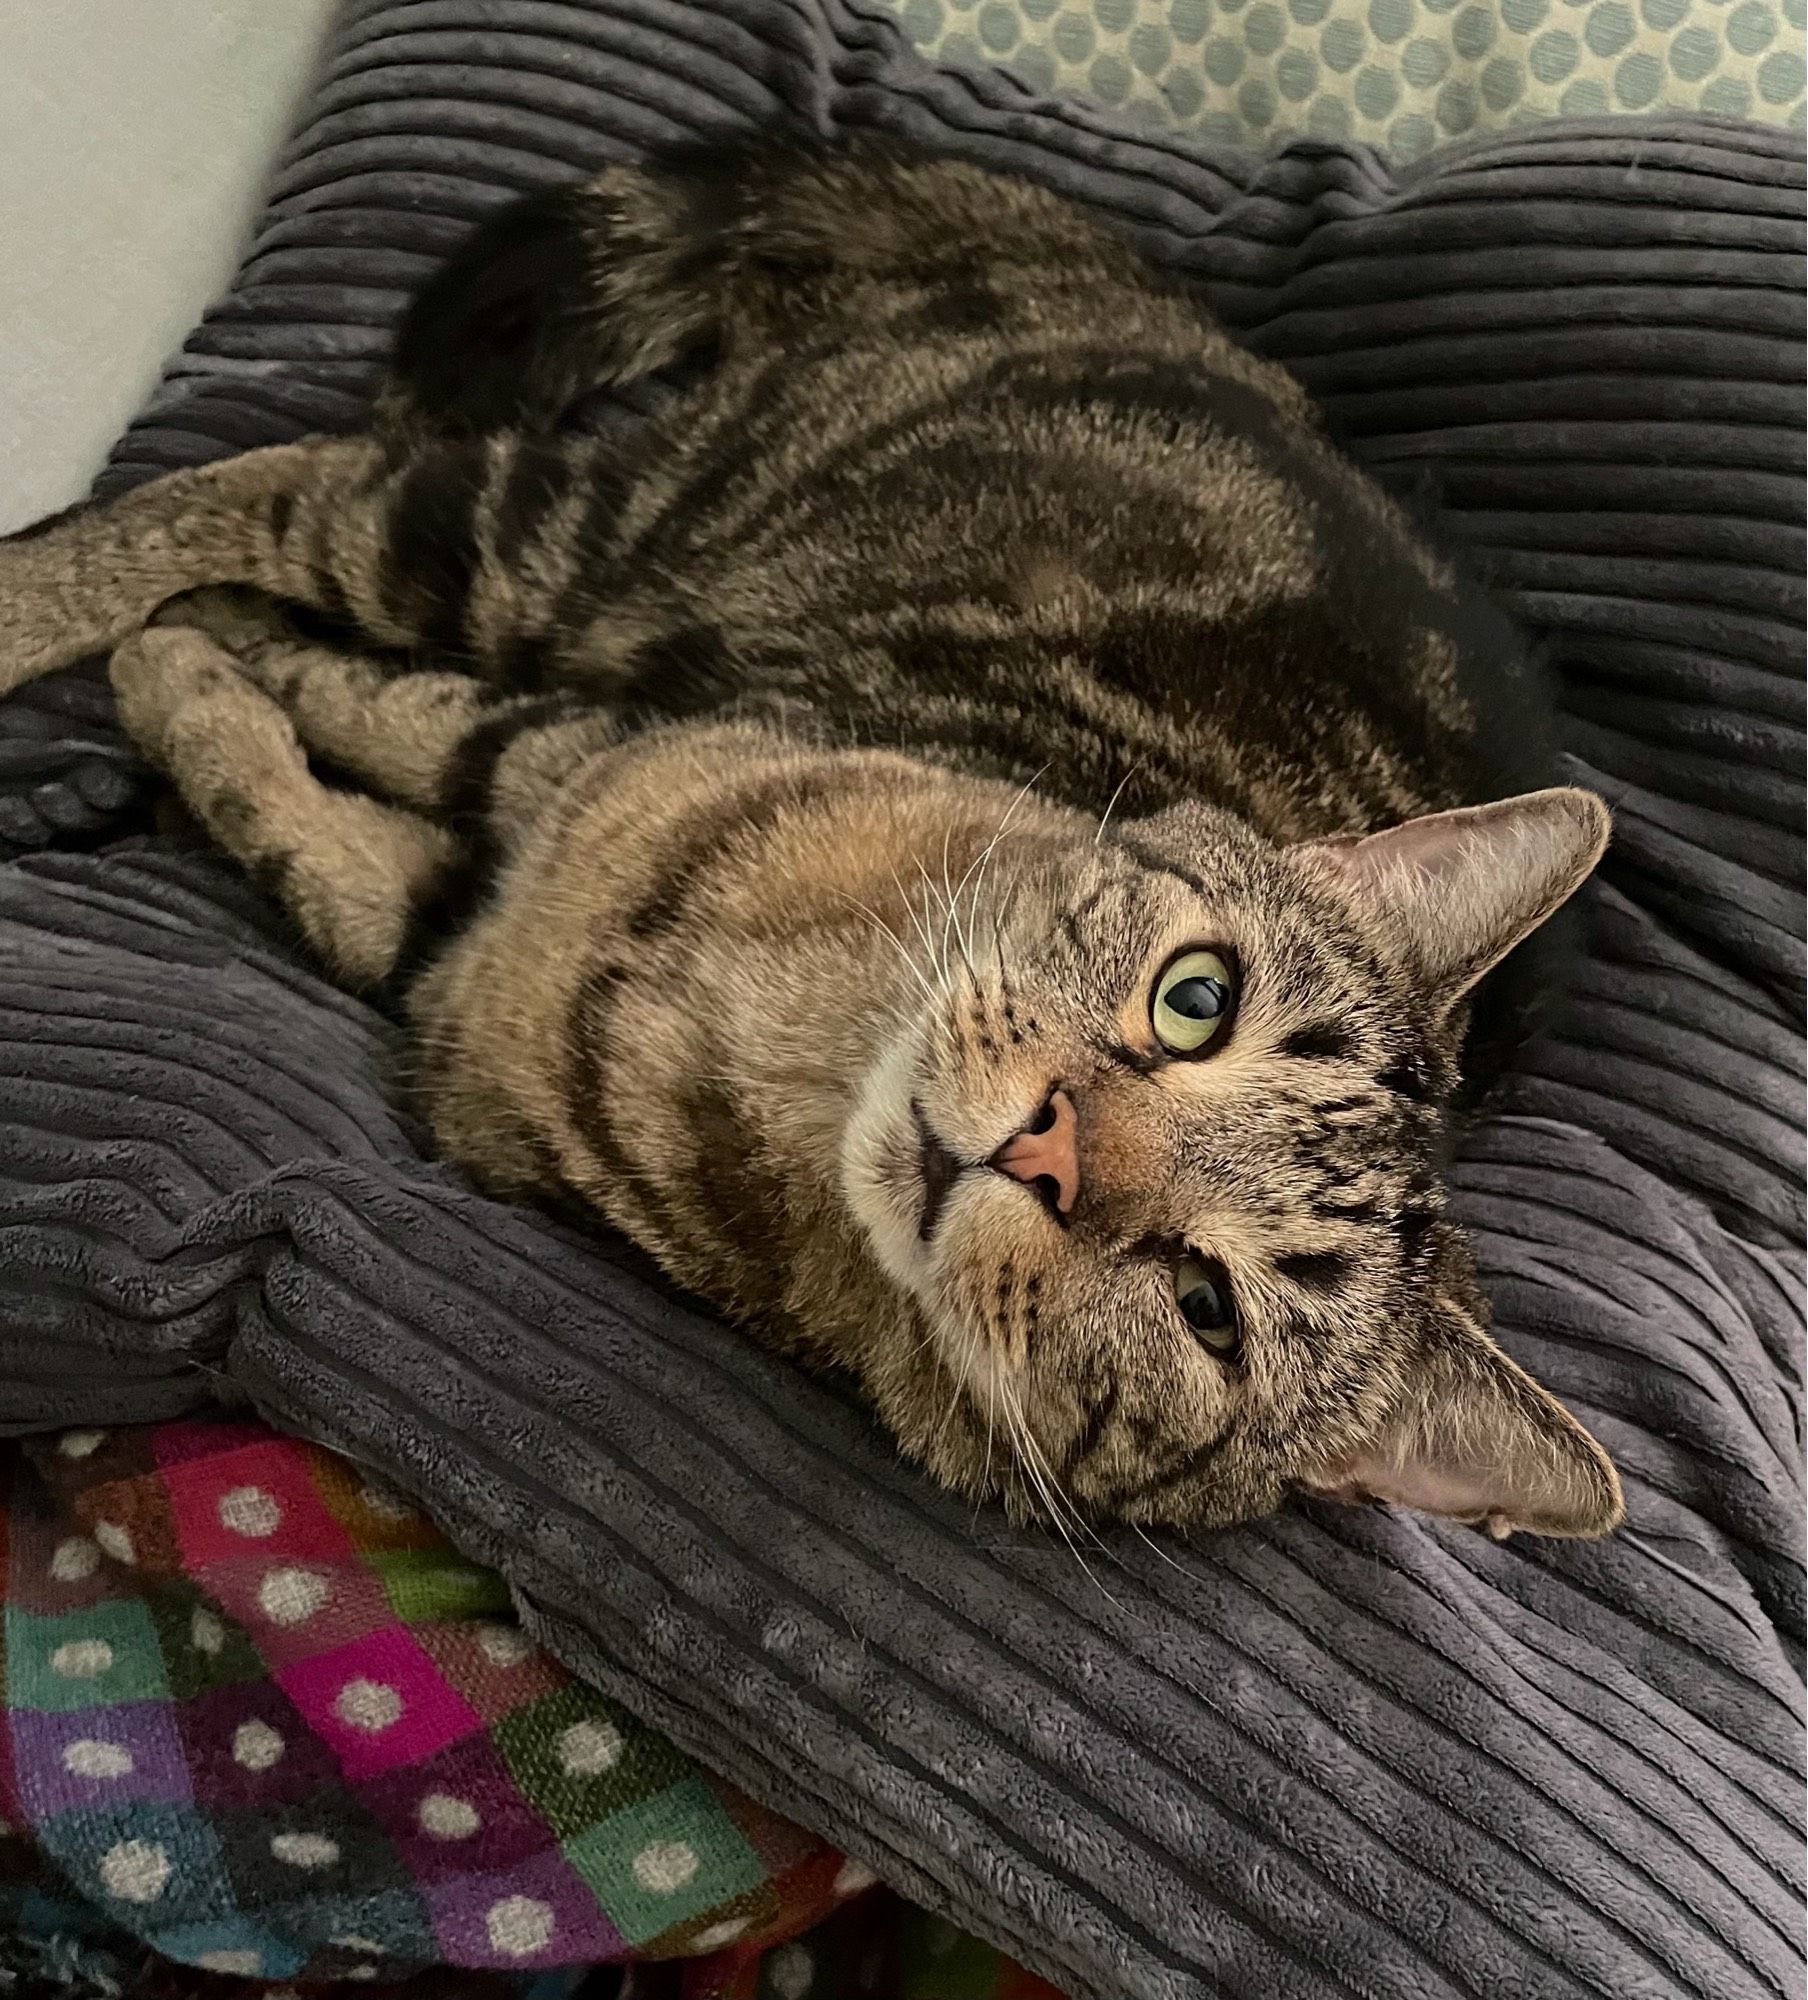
(882, 1177)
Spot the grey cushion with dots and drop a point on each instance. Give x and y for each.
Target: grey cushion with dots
(1337, 1754)
(1404, 74)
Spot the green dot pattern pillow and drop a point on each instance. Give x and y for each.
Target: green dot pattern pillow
(1406, 75)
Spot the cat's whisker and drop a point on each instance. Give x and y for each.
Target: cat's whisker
(1081, 1525)
(939, 950)
(958, 1387)
(916, 921)
(950, 899)
(925, 923)
(916, 971)
(1155, 1548)
(1029, 1456)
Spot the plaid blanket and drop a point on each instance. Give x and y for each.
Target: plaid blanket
(262, 1718)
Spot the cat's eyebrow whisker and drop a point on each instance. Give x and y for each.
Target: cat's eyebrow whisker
(1098, 838)
(982, 860)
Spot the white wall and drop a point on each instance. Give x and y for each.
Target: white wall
(135, 136)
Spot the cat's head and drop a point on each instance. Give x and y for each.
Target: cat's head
(1160, 1164)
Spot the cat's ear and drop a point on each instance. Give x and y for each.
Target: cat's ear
(1466, 886)
(1475, 1438)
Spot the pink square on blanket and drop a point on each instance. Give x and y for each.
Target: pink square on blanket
(257, 1500)
(491, 1662)
(202, 1437)
(378, 1702)
(293, 1607)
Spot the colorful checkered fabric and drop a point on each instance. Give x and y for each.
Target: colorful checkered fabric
(261, 1716)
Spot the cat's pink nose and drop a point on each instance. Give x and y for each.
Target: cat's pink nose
(1046, 1152)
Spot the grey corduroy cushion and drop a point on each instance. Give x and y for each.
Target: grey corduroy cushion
(1337, 1753)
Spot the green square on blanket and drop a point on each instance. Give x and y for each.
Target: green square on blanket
(665, 1861)
(83, 1659)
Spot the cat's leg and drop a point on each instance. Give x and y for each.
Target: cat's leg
(432, 739)
(295, 520)
(392, 727)
(463, 546)
(351, 870)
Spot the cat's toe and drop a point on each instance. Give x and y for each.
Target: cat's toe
(158, 673)
(245, 622)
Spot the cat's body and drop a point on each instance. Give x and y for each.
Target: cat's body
(779, 918)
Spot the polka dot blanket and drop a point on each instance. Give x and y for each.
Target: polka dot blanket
(261, 1718)
(1408, 75)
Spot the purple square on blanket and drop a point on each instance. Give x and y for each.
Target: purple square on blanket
(457, 1812)
(538, 1913)
(250, 1746)
(80, 1758)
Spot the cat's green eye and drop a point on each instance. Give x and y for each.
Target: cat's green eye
(1192, 1002)
(1202, 1292)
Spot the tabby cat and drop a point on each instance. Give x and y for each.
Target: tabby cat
(973, 836)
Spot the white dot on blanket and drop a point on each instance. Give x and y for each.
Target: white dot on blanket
(664, 1866)
(88, 1757)
(291, 1596)
(115, 1540)
(854, 1877)
(718, 1935)
(74, 1559)
(793, 1972)
(519, 1926)
(367, 1705)
(588, 1749)
(81, 1659)
(249, 1510)
(247, 1964)
(305, 1850)
(205, 1632)
(78, 1444)
(135, 1870)
(447, 1818)
(504, 1645)
(256, 1746)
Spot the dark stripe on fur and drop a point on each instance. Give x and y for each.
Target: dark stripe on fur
(433, 549)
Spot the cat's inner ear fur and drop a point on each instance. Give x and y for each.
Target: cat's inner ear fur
(1462, 888)
(1475, 1438)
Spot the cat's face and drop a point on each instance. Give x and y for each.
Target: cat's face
(1160, 1168)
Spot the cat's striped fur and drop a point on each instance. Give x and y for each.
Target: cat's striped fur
(737, 840)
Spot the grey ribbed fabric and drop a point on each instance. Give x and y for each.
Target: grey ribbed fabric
(1337, 1754)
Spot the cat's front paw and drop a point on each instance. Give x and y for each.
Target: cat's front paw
(182, 699)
